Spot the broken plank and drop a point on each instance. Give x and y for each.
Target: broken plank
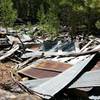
(31, 54)
(10, 52)
(28, 60)
(64, 54)
(86, 45)
(77, 49)
(56, 84)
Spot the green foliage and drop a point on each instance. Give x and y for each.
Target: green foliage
(79, 13)
(98, 24)
(7, 14)
(48, 21)
(53, 13)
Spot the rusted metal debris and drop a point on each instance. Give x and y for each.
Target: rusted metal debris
(81, 82)
(89, 79)
(57, 72)
(44, 69)
(60, 81)
(54, 69)
(92, 76)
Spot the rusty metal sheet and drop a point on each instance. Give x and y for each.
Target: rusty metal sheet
(88, 79)
(38, 73)
(53, 65)
(54, 85)
(44, 69)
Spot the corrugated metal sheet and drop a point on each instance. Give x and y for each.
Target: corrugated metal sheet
(54, 85)
(44, 69)
(53, 65)
(89, 79)
(38, 73)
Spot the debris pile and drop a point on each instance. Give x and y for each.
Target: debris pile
(49, 69)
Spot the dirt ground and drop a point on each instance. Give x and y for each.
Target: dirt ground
(6, 81)
(5, 69)
(7, 85)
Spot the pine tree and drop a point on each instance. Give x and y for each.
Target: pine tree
(7, 13)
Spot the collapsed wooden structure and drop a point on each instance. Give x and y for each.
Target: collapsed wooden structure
(54, 71)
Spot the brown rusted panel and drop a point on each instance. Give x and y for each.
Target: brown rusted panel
(38, 73)
(53, 65)
(44, 69)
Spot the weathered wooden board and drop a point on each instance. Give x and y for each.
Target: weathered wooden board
(10, 52)
(31, 54)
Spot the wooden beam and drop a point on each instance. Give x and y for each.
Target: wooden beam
(10, 52)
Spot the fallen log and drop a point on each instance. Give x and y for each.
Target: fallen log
(10, 52)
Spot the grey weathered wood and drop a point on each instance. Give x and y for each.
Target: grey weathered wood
(31, 54)
(10, 52)
(28, 60)
(77, 49)
(54, 85)
(86, 45)
(64, 54)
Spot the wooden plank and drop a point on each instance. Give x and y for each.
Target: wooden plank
(64, 54)
(77, 49)
(31, 54)
(10, 52)
(28, 60)
(86, 45)
(54, 85)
